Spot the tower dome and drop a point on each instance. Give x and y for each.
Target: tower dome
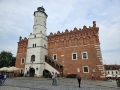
(41, 9)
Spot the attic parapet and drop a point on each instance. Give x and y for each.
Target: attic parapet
(20, 39)
(94, 27)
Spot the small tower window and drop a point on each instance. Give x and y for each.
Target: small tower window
(32, 58)
(54, 56)
(33, 45)
(35, 36)
(44, 45)
(45, 23)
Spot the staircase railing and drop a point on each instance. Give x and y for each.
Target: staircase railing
(54, 64)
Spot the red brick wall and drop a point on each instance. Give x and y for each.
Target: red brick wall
(21, 52)
(77, 41)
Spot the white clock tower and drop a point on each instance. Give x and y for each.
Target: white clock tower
(37, 45)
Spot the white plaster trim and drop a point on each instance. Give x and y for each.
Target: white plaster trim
(100, 69)
(97, 49)
(99, 65)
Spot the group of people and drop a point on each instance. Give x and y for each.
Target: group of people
(2, 79)
(55, 80)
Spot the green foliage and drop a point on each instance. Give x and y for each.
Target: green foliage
(118, 82)
(6, 59)
(119, 79)
(45, 74)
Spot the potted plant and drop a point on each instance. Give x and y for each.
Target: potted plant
(118, 82)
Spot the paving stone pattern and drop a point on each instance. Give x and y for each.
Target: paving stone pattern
(26, 83)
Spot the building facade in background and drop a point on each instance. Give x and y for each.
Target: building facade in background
(69, 52)
(112, 70)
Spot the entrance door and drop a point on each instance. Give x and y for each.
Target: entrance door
(32, 72)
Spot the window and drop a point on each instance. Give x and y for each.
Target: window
(54, 56)
(22, 60)
(44, 45)
(35, 36)
(45, 23)
(108, 72)
(33, 45)
(84, 55)
(32, 58)
(85, 69)
(93, 70)
(74, 56)
(116, 72)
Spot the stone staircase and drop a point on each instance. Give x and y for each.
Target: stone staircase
(54, 64)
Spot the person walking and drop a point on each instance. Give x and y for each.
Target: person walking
(4, 78)
(56, 80)
(0, 80)
(93, 78)
(53, 78)
(79, 79)
(116, 78)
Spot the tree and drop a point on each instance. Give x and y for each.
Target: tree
(7, 59)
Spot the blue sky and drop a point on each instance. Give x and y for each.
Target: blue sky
(16, 19)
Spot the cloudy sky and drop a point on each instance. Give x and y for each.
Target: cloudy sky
(16, 19)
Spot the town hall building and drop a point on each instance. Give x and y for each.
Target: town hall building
(74, 51)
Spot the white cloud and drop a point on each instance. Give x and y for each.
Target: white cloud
(16, 19)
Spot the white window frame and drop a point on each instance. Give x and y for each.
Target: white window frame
(72, 56)
(87, 67)
(86, 55)
(21, 60)
(56, 57)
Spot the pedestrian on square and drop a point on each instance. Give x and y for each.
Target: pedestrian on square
(56, 80)
(4, 78)
(93, 77)
(53, 78)
(0, 80)
(79, 79)
(116, 78)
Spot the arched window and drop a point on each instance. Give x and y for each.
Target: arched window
(116, 72)
(108, 72)
(35, 36)
(33, 45)
(32, 58)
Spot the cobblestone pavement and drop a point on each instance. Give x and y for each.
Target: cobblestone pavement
(26, 83)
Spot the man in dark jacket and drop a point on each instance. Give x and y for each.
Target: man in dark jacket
(0, 80)
(79, 80)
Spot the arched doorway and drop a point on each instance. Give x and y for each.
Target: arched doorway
(46, 73)
(32, 72)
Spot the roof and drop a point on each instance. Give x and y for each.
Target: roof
(112, 67)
